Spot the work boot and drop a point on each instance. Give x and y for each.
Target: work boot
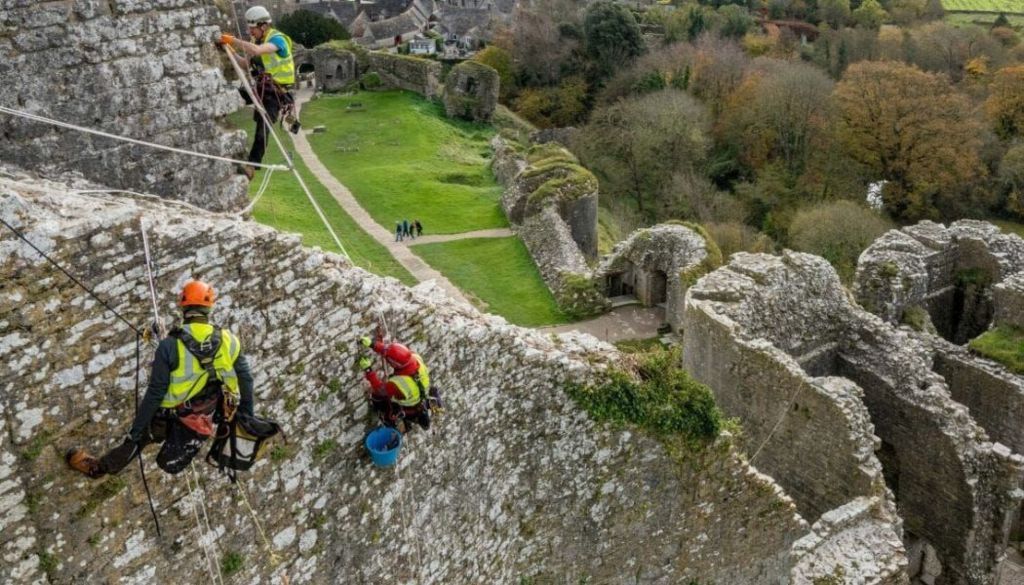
(247, 170)
(81, 461)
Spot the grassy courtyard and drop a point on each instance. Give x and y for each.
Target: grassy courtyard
(499, 275)
(402, 159)
(285, 207)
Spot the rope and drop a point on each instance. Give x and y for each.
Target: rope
(418, 546)
(274, 560)
(265, 182)
(161, 329)
(68, 274)
(52, 122)
(284, 152)
(142, 468)
(778, 423)
(211, 564)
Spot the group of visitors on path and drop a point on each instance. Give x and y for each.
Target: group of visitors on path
(408, 229)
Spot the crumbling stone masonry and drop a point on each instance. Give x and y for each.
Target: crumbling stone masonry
(339, 65)
(147, 70)
(551, 203)
(1008, 297)
(657, 265)
(786, 351)
(471, 91)
(948, 272)
(550, 496)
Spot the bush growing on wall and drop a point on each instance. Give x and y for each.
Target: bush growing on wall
(661, 397)
(837, 231)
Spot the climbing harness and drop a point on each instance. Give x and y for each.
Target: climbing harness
(243, 76)
(52, 122)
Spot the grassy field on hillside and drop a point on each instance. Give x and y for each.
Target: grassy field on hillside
(981, 18)
(1007, 6)
(500, 274)
(285, 207)
(1009, 227)
(402, 159)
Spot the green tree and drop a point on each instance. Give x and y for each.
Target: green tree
(838, 231)
(869, 15)
(910, 128)
(834, 12)
(310, 29)
(735, 21)
(501, 61)
(1005, 103)
(611, 37)
(636, 145)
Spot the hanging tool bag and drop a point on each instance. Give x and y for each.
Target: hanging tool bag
(240, 442)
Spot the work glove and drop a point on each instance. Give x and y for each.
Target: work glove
(365, 341)
(226, 39)
(365, 363)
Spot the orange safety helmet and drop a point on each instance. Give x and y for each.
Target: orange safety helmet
(197, 293)
(398, 355)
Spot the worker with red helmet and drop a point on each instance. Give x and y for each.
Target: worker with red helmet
(406, 394)
(198, 377)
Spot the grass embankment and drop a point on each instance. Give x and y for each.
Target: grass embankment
(1009, 227)
(500, 274)
(285, 207)
(402, 159)
(1004, 345)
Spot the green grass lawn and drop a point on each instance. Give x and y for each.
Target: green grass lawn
(981, 18)
(402, 159)
(500, 274)
(1007, 6)
(285, 207)
(1004, 345)
(1009, 227)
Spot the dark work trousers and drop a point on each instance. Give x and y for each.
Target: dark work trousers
(180, 446)
(272, 102)
(389, 413)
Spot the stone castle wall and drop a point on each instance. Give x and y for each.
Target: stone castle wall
(146, 70)
(954, 489)
(515, 481)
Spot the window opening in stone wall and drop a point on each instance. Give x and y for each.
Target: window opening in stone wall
(972, 309)
(659, 288)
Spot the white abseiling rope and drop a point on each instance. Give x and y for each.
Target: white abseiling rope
(52, 122)
(284, 152)
(211, 563)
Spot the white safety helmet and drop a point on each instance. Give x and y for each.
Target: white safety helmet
(257, 15)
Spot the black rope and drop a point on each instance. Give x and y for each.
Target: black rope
(138, 350)
(142, 468)
(73, 279)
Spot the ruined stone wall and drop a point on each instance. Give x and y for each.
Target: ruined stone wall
(146, 70)
(422, 76)
(947, 271)
(471, 91)
(1008, 297)
(953, 487)
(335, 68)
(515, 481)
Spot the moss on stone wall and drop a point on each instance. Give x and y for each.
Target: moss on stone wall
(580, 296)
(549, 152)
(556, 180)
(689, 276)
(656, 395)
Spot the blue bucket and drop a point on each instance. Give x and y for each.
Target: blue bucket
(384, 443)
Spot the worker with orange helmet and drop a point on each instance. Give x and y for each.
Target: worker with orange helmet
(405, 394)
(198, 377)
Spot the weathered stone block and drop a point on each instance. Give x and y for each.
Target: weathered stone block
(471, 91)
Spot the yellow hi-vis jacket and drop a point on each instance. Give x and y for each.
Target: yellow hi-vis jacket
(189, 378)
(407, 384)
(281, 69)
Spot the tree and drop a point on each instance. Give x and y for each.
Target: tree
(501, 61)
(834, 12)
(943, 48)
(1005, 104)
(611, 37)
(1011, 175)
(910, 128)
(838, 231)
(636, 145)
(310, 29)
(869, 15)
(735, 21)
(540, 52)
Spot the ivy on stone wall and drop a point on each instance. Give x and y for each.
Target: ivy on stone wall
(659, 396)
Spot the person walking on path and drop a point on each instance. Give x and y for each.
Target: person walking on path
(419, 227)
(273, 75)
(198, 376)
(405, 228)
(398, 231)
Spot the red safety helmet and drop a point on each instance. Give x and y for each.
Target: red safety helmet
(197, 293)
(398, 355)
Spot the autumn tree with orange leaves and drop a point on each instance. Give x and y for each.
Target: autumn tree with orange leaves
(911, 129)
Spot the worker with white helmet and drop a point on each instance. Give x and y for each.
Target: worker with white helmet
(273, 74)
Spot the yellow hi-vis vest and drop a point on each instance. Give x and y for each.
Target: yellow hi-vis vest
(409, 386)
(189, 378)
(281, 69)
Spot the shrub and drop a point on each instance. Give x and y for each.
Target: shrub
(838, 231)
(231, 563)
(661, 397)
(370, 81)
(733, 237)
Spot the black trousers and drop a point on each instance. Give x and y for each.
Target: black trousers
(180, 445)
(389, 413)
(274, 99)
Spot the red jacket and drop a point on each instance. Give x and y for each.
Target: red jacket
(388, 390)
